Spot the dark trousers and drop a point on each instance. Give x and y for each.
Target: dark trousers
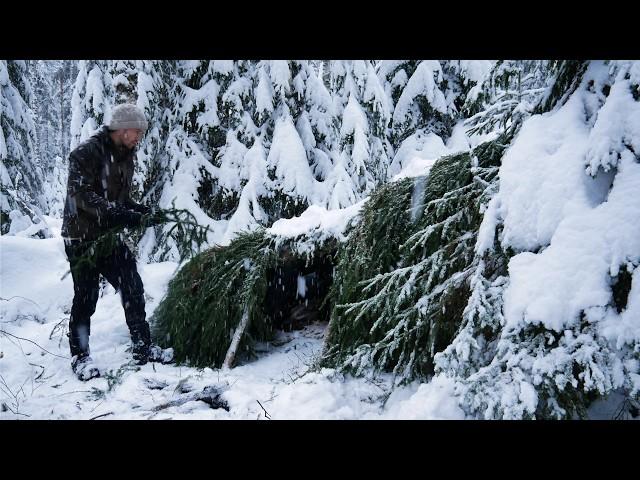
(119, 268)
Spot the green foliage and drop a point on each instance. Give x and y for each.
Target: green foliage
(183, 227)
(206, 299)
(372, 248)
(256, 273)
(216, 201)
(401, 281)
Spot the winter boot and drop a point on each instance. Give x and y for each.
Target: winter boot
(144, 351)
(84, 368)
(141, 338)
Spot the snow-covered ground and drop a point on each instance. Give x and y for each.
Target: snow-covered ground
(36, 381)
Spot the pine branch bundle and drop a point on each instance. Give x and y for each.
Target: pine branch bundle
(401, 285)
(226, 299)
(205, 301)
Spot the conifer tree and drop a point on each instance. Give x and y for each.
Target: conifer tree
(91, 100)
(426, 98)
(528, 370)
(52, 82)
(509, 94)
(287, 139)
(422, 103)
(285, 120)
(360, 157)
(22, 176)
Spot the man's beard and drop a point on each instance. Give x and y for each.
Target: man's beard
(124, 151)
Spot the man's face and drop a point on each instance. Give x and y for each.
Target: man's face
(131, 137)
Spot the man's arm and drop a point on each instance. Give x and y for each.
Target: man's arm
(82, 177)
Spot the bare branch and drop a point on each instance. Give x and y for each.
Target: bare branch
(31, 341)
(24, 298)
(266, 414)
(103, 415)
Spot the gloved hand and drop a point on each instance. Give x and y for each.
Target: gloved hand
(123, 217)
(154, 217)
(131, 218)
(143, 209)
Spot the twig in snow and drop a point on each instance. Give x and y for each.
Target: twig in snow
(73, 391)
(36, 365)
(266, 414)
(209, 395)
(16, 400)
(15, 413)
(27, 340)
(24, 298)
(96, 406)
(103, 415)
(57, 327)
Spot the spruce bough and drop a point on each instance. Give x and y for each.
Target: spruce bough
(402, 279)
(183, 223)
(206, 300)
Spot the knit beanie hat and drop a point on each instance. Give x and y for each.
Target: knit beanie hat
(127, 115)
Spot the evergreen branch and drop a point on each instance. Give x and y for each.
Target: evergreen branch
(189, 232)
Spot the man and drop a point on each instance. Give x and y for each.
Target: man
(98, 189)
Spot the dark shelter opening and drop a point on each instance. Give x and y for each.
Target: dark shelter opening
(297, 290)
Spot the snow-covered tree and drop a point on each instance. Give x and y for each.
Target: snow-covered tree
(91, 100)
(52, 82)
(419, 97)
(426, 98)
(151, 88)
(360, 153)
(276, 121)
(196, 154)
(20, 171)
(293, 130)
(551, 323)
(509, 94)
(402, 279)
(465, 80)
